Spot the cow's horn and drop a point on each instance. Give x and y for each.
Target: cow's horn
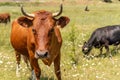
(26, 14)
(58, 13)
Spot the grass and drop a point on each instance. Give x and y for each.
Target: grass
(81, 26)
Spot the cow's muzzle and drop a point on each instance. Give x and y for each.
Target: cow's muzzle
(41, 54)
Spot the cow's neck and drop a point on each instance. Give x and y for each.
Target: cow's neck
(92, 40)
(55, 46)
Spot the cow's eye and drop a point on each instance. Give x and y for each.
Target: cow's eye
(34, 31)
(52, 30)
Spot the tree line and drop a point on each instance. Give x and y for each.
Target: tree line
(109, 1)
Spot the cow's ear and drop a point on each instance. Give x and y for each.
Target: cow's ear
(63, 21)
(25, 22)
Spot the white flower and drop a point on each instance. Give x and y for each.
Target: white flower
(1, 62)
(75, 75)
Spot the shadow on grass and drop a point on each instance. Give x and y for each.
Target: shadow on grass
(43, 78)
(114, 52)
(46, 78)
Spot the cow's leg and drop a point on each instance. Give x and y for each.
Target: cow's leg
(57, 67)
(116, 48)
(109, 53)
(9, 19)
(101, 50)
(36, 72)
(106, 45)
(18, 58)
(107, 50)
(26, 60)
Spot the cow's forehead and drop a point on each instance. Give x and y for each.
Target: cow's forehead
(43, 12)
(43, 18)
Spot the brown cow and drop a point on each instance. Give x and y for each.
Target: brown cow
(37, 36)
(4, 18)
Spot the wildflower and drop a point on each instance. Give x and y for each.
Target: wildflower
(75, 75)
(1, 62)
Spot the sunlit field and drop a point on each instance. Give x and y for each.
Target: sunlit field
(73, 65)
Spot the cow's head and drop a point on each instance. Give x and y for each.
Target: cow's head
(86, 48)
(44, 27)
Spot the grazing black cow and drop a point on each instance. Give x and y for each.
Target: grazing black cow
(103, 37)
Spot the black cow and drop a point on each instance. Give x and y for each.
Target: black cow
(103, 37)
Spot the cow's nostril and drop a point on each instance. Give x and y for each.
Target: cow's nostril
(46, 54)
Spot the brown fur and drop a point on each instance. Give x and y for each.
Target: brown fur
(41, 34)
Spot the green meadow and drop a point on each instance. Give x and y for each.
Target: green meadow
(73, 65)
